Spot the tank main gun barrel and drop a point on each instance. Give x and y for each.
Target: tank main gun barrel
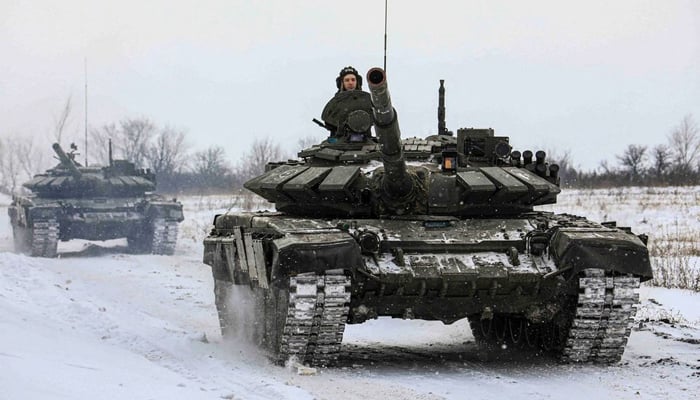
(396, 182)
(66, 161)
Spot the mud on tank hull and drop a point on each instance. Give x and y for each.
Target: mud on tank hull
(553, 282)
(149, 226)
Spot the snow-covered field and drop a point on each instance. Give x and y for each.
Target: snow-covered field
(100, 324)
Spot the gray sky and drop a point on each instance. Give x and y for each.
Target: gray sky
(590, 77)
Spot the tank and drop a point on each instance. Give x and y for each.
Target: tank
(439, 228)
(70, 201)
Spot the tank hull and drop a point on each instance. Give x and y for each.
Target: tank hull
(526, 271)
(149, 224)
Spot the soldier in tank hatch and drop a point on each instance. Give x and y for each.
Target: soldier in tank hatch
(348, 79)
(348, 115)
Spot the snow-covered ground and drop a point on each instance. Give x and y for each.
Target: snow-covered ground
(100, 324)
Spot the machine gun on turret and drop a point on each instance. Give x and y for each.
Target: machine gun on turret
(67, 162)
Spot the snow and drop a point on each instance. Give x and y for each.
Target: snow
(100, 324)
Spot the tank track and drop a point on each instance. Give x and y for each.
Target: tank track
(164, 236)
(316, 315)
(603, 317)
(44, 238)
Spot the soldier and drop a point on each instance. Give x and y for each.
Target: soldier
(348, 79)
(348, 115)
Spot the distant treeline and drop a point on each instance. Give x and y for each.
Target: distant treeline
(674, 163)
(162, 149)
(165, 151)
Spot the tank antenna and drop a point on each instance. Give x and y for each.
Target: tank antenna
(386, 4)
(86, 115)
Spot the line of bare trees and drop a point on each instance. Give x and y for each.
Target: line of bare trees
(162, 149)
(676, 162)
(166, 151)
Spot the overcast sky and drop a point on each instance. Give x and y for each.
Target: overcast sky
(589, 76)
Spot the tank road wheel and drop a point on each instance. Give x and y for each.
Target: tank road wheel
(601, 320)
(44, 238)
(492, 335)
(305, 320)
(502, 332)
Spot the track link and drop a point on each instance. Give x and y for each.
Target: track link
(164, 236)
(44, 238)
(316, 316)
(603, 317)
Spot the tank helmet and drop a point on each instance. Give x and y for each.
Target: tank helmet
(345, 71)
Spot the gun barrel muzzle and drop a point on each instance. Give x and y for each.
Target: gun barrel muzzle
(383, 110)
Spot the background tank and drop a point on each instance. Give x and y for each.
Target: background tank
(70, 201)
(441, 228)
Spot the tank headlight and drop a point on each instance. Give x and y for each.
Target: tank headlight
(369, 242)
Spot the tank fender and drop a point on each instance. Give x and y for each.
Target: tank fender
(314, 252)
(225, 223)
(44, 212)
(608, 249)
(171, 211)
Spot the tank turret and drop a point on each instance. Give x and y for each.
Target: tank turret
(67, 162)
(472, 173)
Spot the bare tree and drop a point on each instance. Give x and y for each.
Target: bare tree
(10, 164)
(261, 152)
(167, 154)
(662, 159)
(306, 142)
(211, 162)
(606, 168)
(130, 140)
(100, 137)
(62, 120)
(31, 157)
(136, 134)
(684, 143)
(633, 159)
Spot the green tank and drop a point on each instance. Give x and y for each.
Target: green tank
(437, 228)
(70, 201)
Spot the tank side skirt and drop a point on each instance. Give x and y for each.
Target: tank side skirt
(250, 256)
(260, 265)
(238, 235)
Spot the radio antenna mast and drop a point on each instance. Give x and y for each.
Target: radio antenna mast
(386, 4)
(86, 115)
